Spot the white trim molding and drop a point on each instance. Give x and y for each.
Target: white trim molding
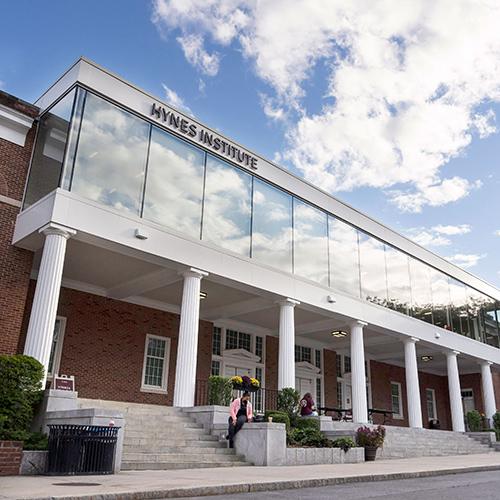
(14, 125)
(164, 385)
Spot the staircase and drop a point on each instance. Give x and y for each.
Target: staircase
(162, 437)
(404, 442)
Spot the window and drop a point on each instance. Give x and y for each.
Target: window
(174, 184)
(56, 347)
(259, 342)
(372, 266)
(50, 145)
(318, 401)
(396, 400)
(302, 354)
(272, 226)
(430, 395)
(227, 207)
(338, 365)
(317, 358)
(216, 341)
(421, 291)
(347, 364)
(459, 307)
(344, 257)
(310, 242)
(238, 340)
(155, 368)
(340, 399)
(110, 159)
(398, 280)
(215, 368)
(440, 298)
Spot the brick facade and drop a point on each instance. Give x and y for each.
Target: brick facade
(11, 453)
(15, 263)
(272, 363)
(330, 377)
(104, 346)
(382, 374)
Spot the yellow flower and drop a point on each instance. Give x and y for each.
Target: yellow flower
(254, 382)
(236, 379)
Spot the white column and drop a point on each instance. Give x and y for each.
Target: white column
(48, 286)
(457, 410)
(187, 348)
(358, 375)
(412, 384)
(286, 356)
(488, 391)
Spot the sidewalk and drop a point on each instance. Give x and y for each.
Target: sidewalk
(133, 485)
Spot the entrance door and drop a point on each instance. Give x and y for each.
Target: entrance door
(304, 385)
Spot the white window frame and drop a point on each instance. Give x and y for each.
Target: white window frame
(152, 388)
(56, 362)
(434, 405)
(399, 415)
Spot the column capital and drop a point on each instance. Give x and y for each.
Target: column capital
(452, 353)
(484, 362)
(192, 272)
(411, 340)
(357, 322)
(58, 229)
(288, 302)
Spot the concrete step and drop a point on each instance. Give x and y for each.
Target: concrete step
(179, 465)
(165, 433)
(146, 426)
(219, 450)
(188, 440)
(180, 457)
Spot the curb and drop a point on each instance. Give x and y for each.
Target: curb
(229, 489)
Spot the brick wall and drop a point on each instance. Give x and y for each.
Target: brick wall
(15, 263)
(104, 346)
(473, 381)
(330, 377)
(10, 457)
(382, 374)
(272, 362)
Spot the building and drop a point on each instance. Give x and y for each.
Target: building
(141, 251)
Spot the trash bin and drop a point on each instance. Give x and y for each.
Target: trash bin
(81, 449)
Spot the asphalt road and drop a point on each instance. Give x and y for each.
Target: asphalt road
(475, 485)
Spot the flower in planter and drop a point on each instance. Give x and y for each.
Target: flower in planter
(237, 380)
(254, 382)
(246, 380)
(370, 437)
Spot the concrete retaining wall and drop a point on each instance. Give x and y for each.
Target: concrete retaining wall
(315, 456)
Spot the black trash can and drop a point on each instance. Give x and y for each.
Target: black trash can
(81, 449)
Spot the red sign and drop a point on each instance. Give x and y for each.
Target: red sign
(64, 383)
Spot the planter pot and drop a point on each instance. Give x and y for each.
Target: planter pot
(250, 388)
(370, 453)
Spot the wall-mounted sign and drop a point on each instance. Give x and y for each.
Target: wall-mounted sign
(64, 383)
(203, 136)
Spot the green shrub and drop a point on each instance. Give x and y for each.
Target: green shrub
(220, 390)
(346, 443)
(20, 392)
(308, 437)
(278, 417)
(288, 402)
(307, 423)
(474, 421)
(36, 441)
(496, 420)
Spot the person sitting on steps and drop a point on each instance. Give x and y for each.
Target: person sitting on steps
(240, 413)
(307, 406)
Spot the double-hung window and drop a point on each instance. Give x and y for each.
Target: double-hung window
(396, 400)
(155, 367)
(430, 396)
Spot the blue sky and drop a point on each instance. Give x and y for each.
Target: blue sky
(394, 114)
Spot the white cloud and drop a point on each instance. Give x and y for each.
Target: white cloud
(2, 84)
(404, 83)
(175, 100)
(271, 110)
(452, 230)
(465, 260)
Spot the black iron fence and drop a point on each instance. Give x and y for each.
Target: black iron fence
(262, 399)
(81, 449)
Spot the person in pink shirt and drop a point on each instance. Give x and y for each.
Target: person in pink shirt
(240, 413)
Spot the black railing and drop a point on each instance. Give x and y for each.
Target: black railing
(262, 400)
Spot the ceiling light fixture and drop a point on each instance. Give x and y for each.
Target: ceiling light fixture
(338, 333)
(426, 358)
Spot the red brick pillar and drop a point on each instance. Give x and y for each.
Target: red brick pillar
(11, 453)
(330, 377)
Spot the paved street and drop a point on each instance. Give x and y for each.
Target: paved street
(484, 485)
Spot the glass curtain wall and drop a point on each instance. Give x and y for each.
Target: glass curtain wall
(111, 156)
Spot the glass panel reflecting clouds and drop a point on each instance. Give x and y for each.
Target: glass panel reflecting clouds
(440, 298)
(227, 208)
(398, 280)
(174, 183)
(344, 257)
(459, 307)
(272, 226)
(477, 304)
(373, 273)
(50, 145)
(420, 290)
(111, 156)
(492, 323)
(310, 252)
